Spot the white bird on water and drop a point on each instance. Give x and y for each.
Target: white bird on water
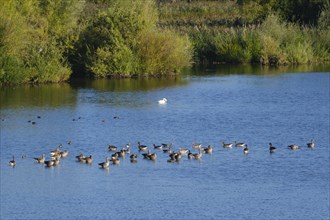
(162, 101)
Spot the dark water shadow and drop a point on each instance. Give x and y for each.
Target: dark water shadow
(248, 69)
(46, 95)
(128, 85)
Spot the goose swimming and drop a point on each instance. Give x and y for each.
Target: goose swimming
(208, 149)
(311, 144)
(158, 146)
(12, 162)
(40, 159)
(105, 164)
(81, 158)
(239, 144)
(197, 156)
(228, 145)
(190, 155)
(49, 163)
(142, 147)
(246, 150)
(294, 147)
(183, 151)
(196, 146)
(272, 149)
(152, 156)
(89, 159)
(64, 153)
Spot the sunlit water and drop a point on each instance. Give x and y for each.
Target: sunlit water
(282, 108)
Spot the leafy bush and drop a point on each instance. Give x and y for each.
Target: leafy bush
(163, 52)
(123, 40)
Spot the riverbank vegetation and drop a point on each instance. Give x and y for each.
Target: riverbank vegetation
(269, 32)
(51, 41)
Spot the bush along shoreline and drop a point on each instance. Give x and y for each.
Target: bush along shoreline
(53, 41)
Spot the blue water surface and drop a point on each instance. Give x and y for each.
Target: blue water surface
(282, 108)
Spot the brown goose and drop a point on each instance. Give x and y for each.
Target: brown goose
(142, 147)
(89, 160)
(112, 147)
(239, 144)
(152, 156)
(40, 159)
(105, 165)
(208, 149)
(64, 153)
(80, 158)
(293, 147)
(227, 145)
(49, 163)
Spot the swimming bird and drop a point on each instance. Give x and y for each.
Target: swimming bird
(114, 156)
(133, 158)
(152, 157)
(183, 151)
(311, 144)
(272, 149)
(112, 147)
(121, 153)
(169, 151)
(174, 155)
(239, 144)
(142, 147)
(227, 145)
(197, 156)
(167, 145)
(146, 155)
(64, 153)
(246, 150)
(128, 149)
(12, 162)
(49, 163)
(80, 158)
(105, 164)
(162, 101)
(190, 155)
(208, 149)
(177, 157)
(115, 161)
(56, 151)
(158, 146)
(40, 159)
(89, 159)
(56, 157)
(196, 145)
(294, 147)
(56, 161)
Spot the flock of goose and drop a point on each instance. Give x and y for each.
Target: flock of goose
(145, 151)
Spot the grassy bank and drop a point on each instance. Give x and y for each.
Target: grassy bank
(51, 41)
(251, 31)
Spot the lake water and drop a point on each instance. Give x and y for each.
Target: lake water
(246, 104)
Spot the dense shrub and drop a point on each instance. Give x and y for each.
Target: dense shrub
(32, 43)
(162, 52)
(123, 40)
